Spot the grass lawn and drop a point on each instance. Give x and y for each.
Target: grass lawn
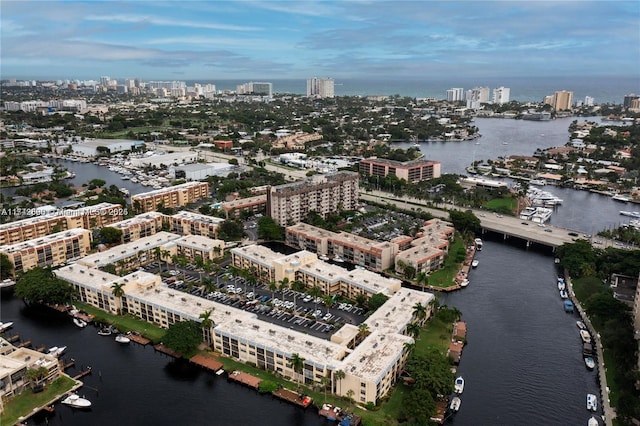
(24, 403)
(502, 204)
(444, 277)
(587, 286)
(125, 323)
(612, 372)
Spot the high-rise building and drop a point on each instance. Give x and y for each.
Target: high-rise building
(324, 194)
(501, 95)
(562, 100)
(455, 94)
(628, 99)
(477, 96)
(589, 101)
(255, 88)
(321, 87)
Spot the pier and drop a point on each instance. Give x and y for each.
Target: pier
(138, 339)
(82, 374)
(296, 398)
(207, 362)
(167, 351)
(245, 379)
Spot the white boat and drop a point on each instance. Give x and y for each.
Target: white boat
(338, 259)
(125, 191)
(455, 404)
(323, 257)
(561, 285)
(585, 336)
(464, 283)
(416, 145)
(592, 402)
(57, 351)
(458, 386)
(475, 263)
(121, 338)
(478, 242)
(630, 214)
(563, 294)
(80, 323)
(593, 421)
(104, 332)
(4, 326)
(75, 401)
(589, 362)
(581, 325)
(540, 182)
(621, 197)
(7, 283)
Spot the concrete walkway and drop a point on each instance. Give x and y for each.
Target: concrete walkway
(609, 412)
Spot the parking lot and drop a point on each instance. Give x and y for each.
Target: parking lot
(288, 308)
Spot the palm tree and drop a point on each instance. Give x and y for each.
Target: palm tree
(409, 346)
(117, 289)
(296, 286)
(164, 254)
(273, 287)
(157, 253)
(206, 324)
(422, 279)
(325, 382)
(284, 284)
(420, 312)
(350, 394)
(363, 331)
(338, 376)
(35, 375)
(328, 301)
(315, 292)
(297, 362)
(413, 330)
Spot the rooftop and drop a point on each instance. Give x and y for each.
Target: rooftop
(169, 189)
(48, 239)
(393, 316)
(197, 217)
(124, 251)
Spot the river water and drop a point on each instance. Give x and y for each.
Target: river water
(522, 363)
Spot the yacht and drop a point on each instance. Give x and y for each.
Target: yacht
(464, 283)
(75, 401)
(561, 285)
(323, 257)
(475, 263)
(540, 182)
(455, 404)
(4, 326)
(581, 325)
(104, 332)
(125, 191)
(563, 294)
(57, 351)
(338, 259)
(478, 242)
(631, 214)
(621, 197)
(592, 402)
(80, 323)
(416, 145)
(121, 338)
(459, 385)
(593, 421)
(585, 336)
(589, 362)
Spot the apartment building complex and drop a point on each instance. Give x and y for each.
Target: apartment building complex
(51, 250)
(173, 196)
(374, 255)
(190, 223)
(89, 217)
(252, 205)
(14, 363)
(560, 101)
(427, 252)
(371, 364)
(321, 87)
(412, 171)
(140, 226)
(323, 194)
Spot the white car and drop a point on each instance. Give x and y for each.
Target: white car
(250, 295)
(174, 272)
(231, 287)
(307, 299)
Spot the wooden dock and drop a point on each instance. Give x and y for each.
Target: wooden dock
(167, 351)
(138, 339)
(207, 362)
(65, 366)
(245, 379)
(296, 398)
(13, 339)
(82, 374)
(24, 344)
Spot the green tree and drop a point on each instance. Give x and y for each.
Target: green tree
(419, 312)
(338, 376)
(413, 330)
(268, 229)
(418, 406)
(376, 301)
(297, 362)
(6, 267)
(206, 324)
(40, 285)
(110, 235)
(465, 221)
(183, 336)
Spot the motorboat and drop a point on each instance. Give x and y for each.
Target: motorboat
(589, 362)
(568, 306)
(4, 326)
(563, 294)
(57, 351)
(7, 283)
(338, 259)
(121, 338)
(475, 263)
(593, 421)
(592, 402)
(80, 323)
(464, 283)
(630, 214)
(104, 332)
(323, 257)
(455, 404)
(561, 285)
(581, 325)
(478, 242)
(458, 385)
(75, 401)
(585, 336)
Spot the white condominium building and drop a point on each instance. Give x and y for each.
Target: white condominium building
(501, 95)
(320, 87)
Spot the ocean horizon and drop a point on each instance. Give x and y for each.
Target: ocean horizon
(605, 90)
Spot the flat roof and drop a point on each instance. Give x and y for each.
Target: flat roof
(196, 167)
(257, 253)
(127, 250)
(169, 189)
(47, 239)
(197, 217)
(94, 143)
(362, 278)
(198, 242)
(141, 218)
(310, 231)
(396, 312)
(248, 201)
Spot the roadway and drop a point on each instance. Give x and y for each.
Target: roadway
(508, 226)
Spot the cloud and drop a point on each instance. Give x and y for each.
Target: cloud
(154, 20)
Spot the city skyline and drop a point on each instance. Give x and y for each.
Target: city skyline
(355, 39)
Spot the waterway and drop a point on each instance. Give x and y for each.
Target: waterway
(522, 363)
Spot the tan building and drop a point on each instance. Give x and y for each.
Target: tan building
(88, 217)
(323, 194)
(561, 100)
(374, 255)
(140, 226)
(51, 250)
(412, 171)
(190, 223)
(428, 251)
(14, 363)
(173, 196)
(371, 364)
(194, 246)
(253, 205)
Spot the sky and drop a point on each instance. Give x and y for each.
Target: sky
(270, 39)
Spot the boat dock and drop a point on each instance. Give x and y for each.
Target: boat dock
(138, 339)
(207, 362)
(296, 398)
(82, 374)
(245, 379)
(167, 351)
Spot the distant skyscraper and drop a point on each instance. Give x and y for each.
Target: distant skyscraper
(589, 101)
(455, 94)
(255, 88)
(629, 98)
(320, 87)
(477, 96)
(501, 95)
(104, 80)
(562, 100)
